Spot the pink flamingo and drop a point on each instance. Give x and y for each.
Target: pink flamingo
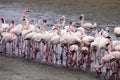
(17, 30)
(99, 43)
(54, 41)
(28, 37)
(87, 26)
(86, 41)
(114, 55)
(7, 37)
(73, 49)
(84, 52)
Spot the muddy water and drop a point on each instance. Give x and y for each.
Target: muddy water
(103, 12)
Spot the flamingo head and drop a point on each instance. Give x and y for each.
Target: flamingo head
(81, 16)
(12, 21)
(23, 18)
(26, 11)
(2, 19)
(62, 18)
(45, 21)
(107, 29)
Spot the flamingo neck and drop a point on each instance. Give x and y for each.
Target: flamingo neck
(39, 23)
(63, 23)
(109, 48)
(45, 26)
(27, 23)
(82, 21)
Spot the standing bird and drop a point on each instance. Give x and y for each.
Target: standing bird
(87, 26)
(112, 56)
(73, 49)
(7, 37)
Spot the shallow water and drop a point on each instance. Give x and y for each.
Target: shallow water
(102, 12)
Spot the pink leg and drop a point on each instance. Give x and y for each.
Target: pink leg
(47, 53)
(61, 56)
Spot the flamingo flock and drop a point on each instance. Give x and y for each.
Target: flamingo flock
(63, 43)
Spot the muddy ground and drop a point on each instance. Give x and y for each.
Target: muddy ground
(22, 69)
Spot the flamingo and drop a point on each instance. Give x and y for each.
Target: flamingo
(86, 41)
(45, 39)
(20, 27)
(28, 34)
(73, 49)
(106, 59)
(87, 26)
(27, 37)
(99, 43)
(113, 55)
(17, 30)
(84, 52)
(7, 37)
(54, 41)
(69, 38)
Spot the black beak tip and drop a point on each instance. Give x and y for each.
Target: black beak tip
(32, 20)
(80, 17)
(23, 19)
(45, 21)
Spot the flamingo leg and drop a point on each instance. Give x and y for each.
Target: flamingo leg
(18, 45)
(47, 52)
(88, 59)
(34, 49)
(61, 56)
(28, 49)
(4, 48)
(56, 53)
(51, 52)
